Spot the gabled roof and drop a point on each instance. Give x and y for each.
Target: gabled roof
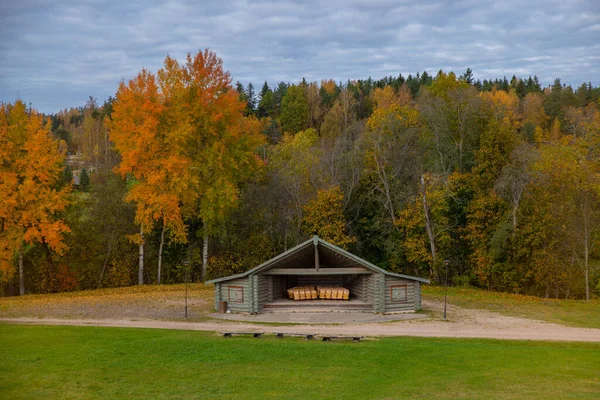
(298, 254)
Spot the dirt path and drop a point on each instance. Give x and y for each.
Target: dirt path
(462, 323)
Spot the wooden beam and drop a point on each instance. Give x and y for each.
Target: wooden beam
(320, 271)
(316, 257)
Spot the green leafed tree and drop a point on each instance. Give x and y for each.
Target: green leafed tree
(294, 110)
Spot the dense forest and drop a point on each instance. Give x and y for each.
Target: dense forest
(184, 171)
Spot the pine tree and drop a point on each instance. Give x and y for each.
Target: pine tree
(84, 180)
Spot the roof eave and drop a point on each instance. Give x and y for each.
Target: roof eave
(265, 264)
(316, 240)
(367, 264)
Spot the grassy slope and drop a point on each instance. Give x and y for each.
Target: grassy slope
(146, 301)
(91, 362)
(579, 313)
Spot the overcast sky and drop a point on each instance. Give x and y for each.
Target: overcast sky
(55, 54)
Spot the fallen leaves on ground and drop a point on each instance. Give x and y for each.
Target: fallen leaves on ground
(145, 301)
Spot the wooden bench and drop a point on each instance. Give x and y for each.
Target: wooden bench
(254, 334)
(353, 338)
(308, 336)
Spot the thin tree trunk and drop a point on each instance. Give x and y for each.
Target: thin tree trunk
(141, 265)
(587, 268)
(21, 276)
(586, 260)
(429, 228)
(160, 250)
(204, 257)
(104, 265)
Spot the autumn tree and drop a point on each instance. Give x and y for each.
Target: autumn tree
(339, 117)
(185, 140)
(425, 224)
(323, 216)
(31, 163)
(391, 146)
(292, 168)
(151, 157)
(221, 145)
(452, 112)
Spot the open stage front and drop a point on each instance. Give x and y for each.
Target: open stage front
(312, 264)
(287, 305)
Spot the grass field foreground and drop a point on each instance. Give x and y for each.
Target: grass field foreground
(579, 313)
(93, 362)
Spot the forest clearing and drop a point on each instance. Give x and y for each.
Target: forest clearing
(472, 313)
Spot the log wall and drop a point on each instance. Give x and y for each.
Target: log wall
(224, 290)
(406, 298)
(356, 284)
(264, 291)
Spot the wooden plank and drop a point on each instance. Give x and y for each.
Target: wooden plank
(277, 287)
(382, 292)
(316, 256)
(321, 271)
(254, 289)
(254, 334)
(418, 296)
(217, 295)
(308, 336)
(353, 338)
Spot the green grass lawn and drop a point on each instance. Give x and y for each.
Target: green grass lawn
(93, 362)
(580, 313)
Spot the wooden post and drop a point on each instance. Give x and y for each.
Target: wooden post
(316, 242)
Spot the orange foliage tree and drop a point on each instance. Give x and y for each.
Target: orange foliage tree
(151, 157)
(183, 136)
(31, 162)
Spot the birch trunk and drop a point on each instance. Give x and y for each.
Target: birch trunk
(429, 228)
(586, 261)
(104, 265)
(141, 265)
(204, 257)
(21, 276)
(160, 250)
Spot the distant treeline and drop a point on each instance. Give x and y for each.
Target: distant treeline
(500, 177)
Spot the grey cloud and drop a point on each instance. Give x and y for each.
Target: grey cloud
(57, 53)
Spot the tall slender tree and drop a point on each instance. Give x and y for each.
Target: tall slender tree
(31, 164)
